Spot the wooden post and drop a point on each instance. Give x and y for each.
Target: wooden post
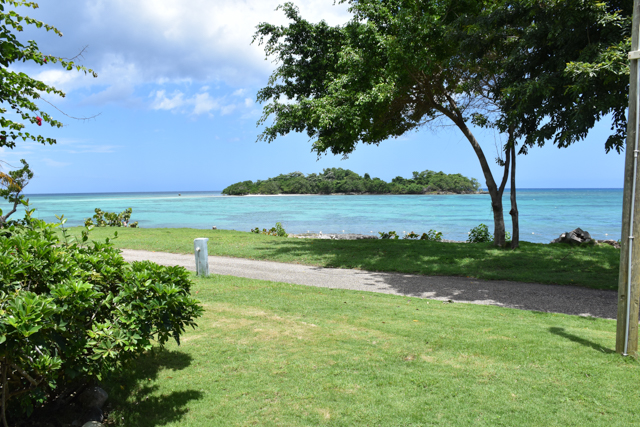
(629, 279)
(202, 256)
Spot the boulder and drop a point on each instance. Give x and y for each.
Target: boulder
(92, 414)
(610, 242)
(577, 236)
(93, 397)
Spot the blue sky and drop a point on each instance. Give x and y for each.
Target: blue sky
(175, 99)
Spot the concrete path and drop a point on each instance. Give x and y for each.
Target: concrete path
(525, 296)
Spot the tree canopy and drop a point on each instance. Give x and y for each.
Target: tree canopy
(559, 66)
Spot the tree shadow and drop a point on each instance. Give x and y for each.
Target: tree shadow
(429, 271)
(133, 396)
(562, 333)
(588, 266)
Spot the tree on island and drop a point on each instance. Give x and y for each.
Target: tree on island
(338, 180)
(21, 93)
(398, 65)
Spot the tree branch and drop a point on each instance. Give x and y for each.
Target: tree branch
(71, 117)
(24, 374)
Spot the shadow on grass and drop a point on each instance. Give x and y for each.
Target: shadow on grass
(593, 267)
(134, 398)
(562, 333)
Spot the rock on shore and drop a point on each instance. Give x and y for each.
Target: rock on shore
(333, 236)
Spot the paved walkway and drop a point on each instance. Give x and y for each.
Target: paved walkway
(525, 296)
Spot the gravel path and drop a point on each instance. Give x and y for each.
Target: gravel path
(525, 296)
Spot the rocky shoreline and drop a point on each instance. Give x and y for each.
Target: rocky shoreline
(347, 236)
(354, 236)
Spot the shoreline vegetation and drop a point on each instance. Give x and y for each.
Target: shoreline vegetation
(338, 181)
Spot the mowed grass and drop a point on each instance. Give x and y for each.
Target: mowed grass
(275, 354)
(589, 266)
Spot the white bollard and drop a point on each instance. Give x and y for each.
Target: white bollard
(202, 257)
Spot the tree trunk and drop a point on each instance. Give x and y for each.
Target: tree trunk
(494, 192)
(515, 234)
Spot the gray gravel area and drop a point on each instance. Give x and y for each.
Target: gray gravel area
(526, 296)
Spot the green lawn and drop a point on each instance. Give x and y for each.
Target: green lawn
(591, 266)
(275, 354)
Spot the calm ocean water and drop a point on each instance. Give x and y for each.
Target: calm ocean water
(544, 213)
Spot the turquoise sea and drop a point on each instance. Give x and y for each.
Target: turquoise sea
(544, 213)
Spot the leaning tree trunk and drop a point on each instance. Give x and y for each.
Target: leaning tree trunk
(515, 235)
(494, 192)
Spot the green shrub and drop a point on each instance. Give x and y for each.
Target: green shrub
(389, 235)
(71, 312)
(278, 230)
(432, 235)
(480, 234)
(411, 236)
(111, 219)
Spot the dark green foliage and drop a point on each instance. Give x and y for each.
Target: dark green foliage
(481, 234)
(563, 66)
(411, 235)
(71, 312)
(111, 219)
(390, 235)
(278, 230)
(432, 235)
(338, 180)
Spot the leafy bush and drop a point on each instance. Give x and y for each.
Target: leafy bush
(411, 235)
(75, 311)
(111, 219)
(278, 230)
(389, 235)
(432, 235)
(481, 234)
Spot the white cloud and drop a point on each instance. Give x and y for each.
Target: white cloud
(203, 103)
(162, 102)
(137, 42)
(199, 103)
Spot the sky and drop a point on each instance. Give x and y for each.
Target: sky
(174, 107)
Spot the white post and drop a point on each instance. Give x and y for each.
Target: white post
(202, 257)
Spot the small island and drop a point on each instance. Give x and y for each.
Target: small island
(345, 181)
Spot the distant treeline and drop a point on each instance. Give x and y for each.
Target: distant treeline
(338, 180)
